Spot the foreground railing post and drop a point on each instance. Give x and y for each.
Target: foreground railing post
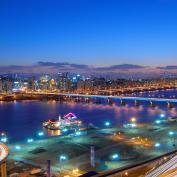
(3, 170)
(48, 168)
(92, 156)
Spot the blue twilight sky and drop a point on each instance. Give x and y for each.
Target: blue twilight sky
(94, 32)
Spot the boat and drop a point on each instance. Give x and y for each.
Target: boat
(172, 119)
(68, 121)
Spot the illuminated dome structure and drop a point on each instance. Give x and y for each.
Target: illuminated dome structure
(3, 157)
(70, 116)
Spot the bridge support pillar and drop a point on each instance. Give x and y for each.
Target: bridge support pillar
(137, 103)
(3, 169)
(122, 102)
(152, 104)
(110, 101)
(98, 101)
(87, 100)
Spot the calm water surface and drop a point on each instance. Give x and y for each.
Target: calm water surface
(23, 119)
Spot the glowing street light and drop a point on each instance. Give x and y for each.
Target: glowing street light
(133, 119)
(157, 121)
(63, 157)
(157, 145)
(162, 115)
(107, 124)
(133, 125)
(65, 130)
(4, 139)
(18, 147)
(115, 156)
(171, 133)
(126, 173)
(3, 134)
(78, 133)
(30, 140)
(40, 133)
(75, 171)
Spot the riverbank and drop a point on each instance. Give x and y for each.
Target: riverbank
(114, 147)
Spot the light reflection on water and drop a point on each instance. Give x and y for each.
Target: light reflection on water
(23, 119)
(53, 132)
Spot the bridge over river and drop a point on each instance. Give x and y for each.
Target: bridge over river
(122, 98)
(87, 98)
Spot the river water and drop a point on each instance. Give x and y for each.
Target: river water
(23, 119)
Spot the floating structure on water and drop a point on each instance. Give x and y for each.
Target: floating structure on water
(68, 121)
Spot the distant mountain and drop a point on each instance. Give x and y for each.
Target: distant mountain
(168, 67)
(121, 67)
(123, 70)
(59, 65)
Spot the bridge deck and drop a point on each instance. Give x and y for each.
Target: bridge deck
(123, 98)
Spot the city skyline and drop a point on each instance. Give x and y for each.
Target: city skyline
(98, 33)
(88, 88)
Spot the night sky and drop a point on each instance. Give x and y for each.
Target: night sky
(94, 32)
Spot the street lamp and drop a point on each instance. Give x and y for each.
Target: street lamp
(133, 119)
(115, 156)
(4, 139)
(18, 147)
(157, 145)
(162, 115)
(40, 133)
(157, 121)
(30, 140)
(107, 124)
(171, 133)
(62, 158)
